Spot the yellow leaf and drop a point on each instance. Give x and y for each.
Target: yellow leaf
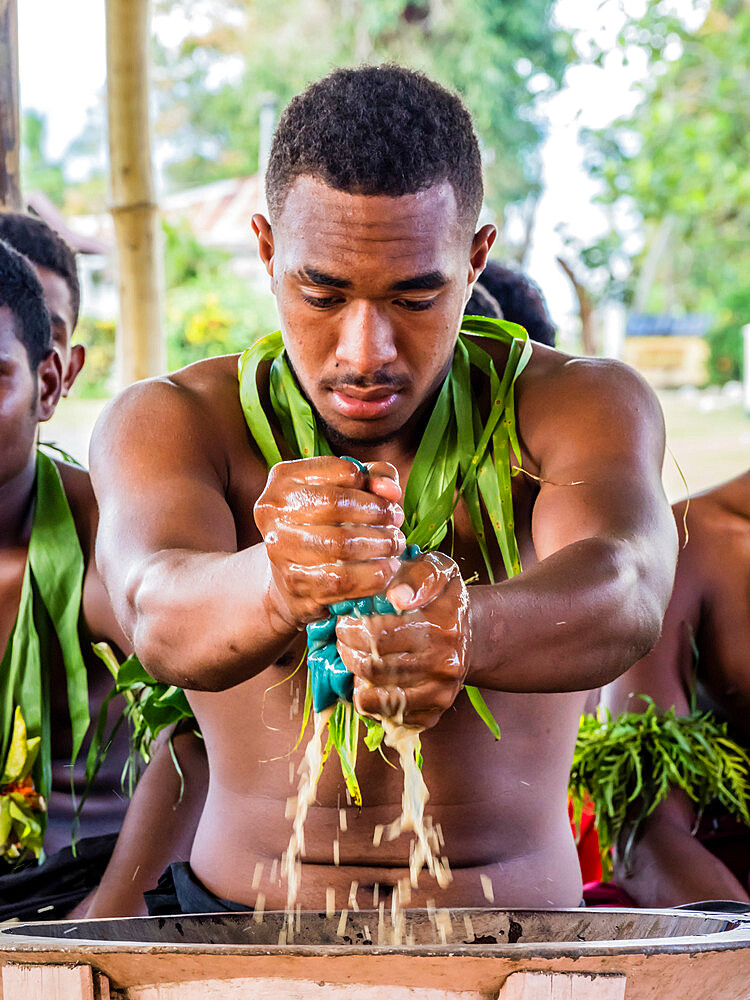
(17, 751)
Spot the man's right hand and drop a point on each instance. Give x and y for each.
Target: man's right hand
(331, 532)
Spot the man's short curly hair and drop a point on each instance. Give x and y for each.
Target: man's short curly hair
(22, 294)
(377, 130)
(44, 247)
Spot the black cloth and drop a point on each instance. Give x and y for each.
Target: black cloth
(50, 891)
(179, 891)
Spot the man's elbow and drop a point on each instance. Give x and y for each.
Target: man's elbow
(166, 640)
(646, 579)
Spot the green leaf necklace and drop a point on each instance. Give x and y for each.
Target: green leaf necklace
(460, 454)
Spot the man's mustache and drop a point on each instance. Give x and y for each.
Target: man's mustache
(355, 381)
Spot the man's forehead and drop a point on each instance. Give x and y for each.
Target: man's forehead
(313, 211)
(56, 295)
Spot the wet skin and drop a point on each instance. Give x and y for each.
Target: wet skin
(215, 567)
(711, 599)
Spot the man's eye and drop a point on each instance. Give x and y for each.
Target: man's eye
(317, 303)
(415, 305)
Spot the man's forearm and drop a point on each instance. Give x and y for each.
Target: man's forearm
(575, 621)
(668, 866)
(206, 621)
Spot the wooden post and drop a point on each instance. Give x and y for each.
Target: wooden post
(562, 986)
(50, 982)
(141, 344)
(10, 173)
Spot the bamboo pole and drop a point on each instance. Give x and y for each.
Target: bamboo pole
(141, 346)
(10, 172)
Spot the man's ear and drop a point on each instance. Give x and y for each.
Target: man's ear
(77, 359)
(50, 381)
(480, 248)
(262, 229)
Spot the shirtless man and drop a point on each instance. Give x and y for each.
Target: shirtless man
(669, 863)
(38, 313)
(214, 566)
(53, 263)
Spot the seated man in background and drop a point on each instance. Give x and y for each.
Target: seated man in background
(54, 264)
(702, 659)
(215, 565)
(52, 601)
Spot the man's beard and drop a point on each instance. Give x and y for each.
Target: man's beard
(337, 440)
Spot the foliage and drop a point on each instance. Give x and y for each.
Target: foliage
(725, 338)
(679, 166)
(628, 765)
(38, 172)
(21, 832)
(500, 55)
(210, 310)
(150, 707)
(98, 336)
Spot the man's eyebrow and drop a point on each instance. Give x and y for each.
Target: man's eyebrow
(315, 277)
(421, 282)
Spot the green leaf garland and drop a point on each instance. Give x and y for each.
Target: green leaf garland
(460, 455)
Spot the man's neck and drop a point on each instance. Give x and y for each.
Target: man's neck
(17, 506)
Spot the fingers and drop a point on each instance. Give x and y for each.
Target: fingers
(421, 707)
(329, 583)
(326, 505)
(404, 669)
(326, 544)
(410, 633)
(383, 480)
(420, 581)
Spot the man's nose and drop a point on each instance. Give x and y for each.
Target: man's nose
(366, 339)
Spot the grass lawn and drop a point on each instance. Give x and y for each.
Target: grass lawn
(709, 436)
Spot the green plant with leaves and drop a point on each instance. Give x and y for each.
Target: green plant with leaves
(629, 764)
(150, 707)
(21, 807)
(677, 168)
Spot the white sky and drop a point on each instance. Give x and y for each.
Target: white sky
(62, 69)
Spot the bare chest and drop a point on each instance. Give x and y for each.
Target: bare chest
(12, 566)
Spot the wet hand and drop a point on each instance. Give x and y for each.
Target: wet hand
(417, 660)
(331, 532)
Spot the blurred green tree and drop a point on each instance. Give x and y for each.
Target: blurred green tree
(501, 55)
(38, 171)
(678, 168)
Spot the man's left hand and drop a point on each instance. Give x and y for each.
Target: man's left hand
(417, 660)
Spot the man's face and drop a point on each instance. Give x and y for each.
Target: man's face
(26, 398)
(370, 292)
(57, 297)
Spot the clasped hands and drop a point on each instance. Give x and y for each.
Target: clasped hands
(333, 533)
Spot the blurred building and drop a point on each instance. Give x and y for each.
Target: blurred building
(669, 351)
(218, 214)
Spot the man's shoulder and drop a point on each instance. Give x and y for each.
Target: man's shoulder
(560, 393)
(204, 394)
(193, 414)
(718, 526)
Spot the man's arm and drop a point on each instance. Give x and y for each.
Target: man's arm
(159, 827)
(202, 614)
(603, 533)
(667, 864)
(606, 541)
